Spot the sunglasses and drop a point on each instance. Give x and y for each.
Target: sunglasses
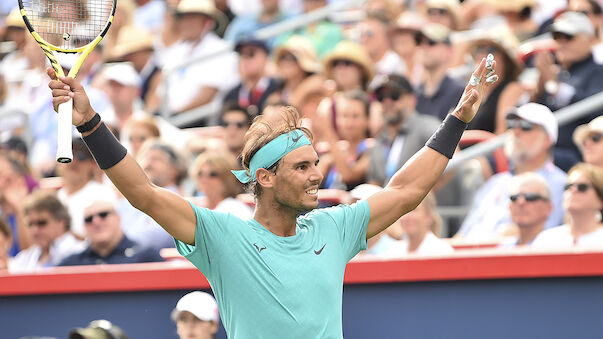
(559, 36)
(211, 174)
(137, 138)
(525, 125)
(343, 62)
(423, 41)
(248, 54)
(287, 57)
(594, 137)
(529, 197)
(581, 187)
(102, 215)
(367, 34)
(386, 93)
(238, 124)
(38, 223)
(436, 11)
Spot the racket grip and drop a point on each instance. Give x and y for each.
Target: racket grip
(64, 148)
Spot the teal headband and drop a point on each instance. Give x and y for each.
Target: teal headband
(273, 152)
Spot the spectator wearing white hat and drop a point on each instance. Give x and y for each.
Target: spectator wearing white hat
(205, 82)
(196, 316)
(532, 132)
(589, 139)
(579, 77)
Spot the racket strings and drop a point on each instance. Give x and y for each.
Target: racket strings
(68, 24)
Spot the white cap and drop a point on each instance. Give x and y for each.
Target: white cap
(573, 23)
(202, 305)
(582, 131)
(540, 115)
(123, 73)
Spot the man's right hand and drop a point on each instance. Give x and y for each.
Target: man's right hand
(65, 88)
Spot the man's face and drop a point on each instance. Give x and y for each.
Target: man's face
(397, 106)
(252, 62)
(531, 206)
(193, 26)
(297, 179)
(190, 327)
(526, 141)
(122, 96)
(404, 43)
(592, 148)
(80, 170)
(235, 125)
(158, 166)
(571, 49)
(433, 54)
(372, 35)
(101, 223)
(44, 227)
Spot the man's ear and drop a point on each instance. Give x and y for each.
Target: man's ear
(264, 177)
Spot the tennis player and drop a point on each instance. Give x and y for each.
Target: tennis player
(277, 275)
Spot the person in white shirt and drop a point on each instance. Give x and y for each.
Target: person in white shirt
(49, 223)
(211, 172)
(421, 228)
(583, 204)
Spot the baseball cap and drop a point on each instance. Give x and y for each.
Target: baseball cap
(202, 305)
(437, 33)
(123, 73)
(396, 81)
(250, 41)
(582, 131)
(98, 329)
(573, 23)
(540, 115)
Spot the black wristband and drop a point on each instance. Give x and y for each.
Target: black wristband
(447, 136)
(105, 148)
(90, 124)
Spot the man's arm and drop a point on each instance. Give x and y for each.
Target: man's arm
(170, 210)
(414, 180)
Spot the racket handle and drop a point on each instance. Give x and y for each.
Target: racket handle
(64, 148)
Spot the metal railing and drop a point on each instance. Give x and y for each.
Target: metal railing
(185, 118)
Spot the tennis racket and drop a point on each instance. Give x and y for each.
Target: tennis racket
(72, 27)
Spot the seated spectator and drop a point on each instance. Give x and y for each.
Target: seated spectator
(443, 12)
(583, 203)
(403, 37)
(16, 148)
(518, 15)
(13, 190)
(218, 185)
(300, 69)
(532, 133)
(530, 206)
(421, 228)
(503, 95)
(49, 223)
(576, 77)
(79, 188)
(196, 316)
(98, 329)
(589, 138)
(6, 240)
(438, 93)
(405, 131)
(255, 86)
(346, 164)
(138, 130)
(107, 242)
(235, 121)
(166, 168)
(350, 66)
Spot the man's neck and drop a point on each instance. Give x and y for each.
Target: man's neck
(433, 79)
(74, 187)
(275, 218)
(105, 248)
(531, 165)
(378, 54)
(251, 82)
(529, 233)
(123, 114)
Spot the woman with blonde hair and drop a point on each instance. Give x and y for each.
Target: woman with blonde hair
(217, 185)
(583, 205)
(422, 227)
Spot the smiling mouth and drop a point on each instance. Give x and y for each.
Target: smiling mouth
(312, 191)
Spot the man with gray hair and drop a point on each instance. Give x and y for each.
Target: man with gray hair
(576, 77)
(530, 206)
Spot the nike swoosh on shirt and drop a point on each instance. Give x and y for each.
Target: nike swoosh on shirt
(320, 250)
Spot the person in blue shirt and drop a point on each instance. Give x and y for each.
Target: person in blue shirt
(278, 274)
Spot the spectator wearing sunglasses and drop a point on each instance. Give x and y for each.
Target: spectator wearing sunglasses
(589, 139)
(439, 93)
(518, 15)
(403, 39)
(583, 204)
(49, 223)
(236, 121)
(531, 136)
(592, 9)
(107, 243)
(577, 77)
(214, 180)
(139, 129)
(405, 131)
(443, 12)
(530, 206)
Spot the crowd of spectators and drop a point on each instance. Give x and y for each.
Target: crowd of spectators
(372, 83)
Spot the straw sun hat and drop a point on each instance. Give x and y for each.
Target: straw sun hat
(206, 7)
(505, 41)
(132, 39)
(303, 50)
(352, 51)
